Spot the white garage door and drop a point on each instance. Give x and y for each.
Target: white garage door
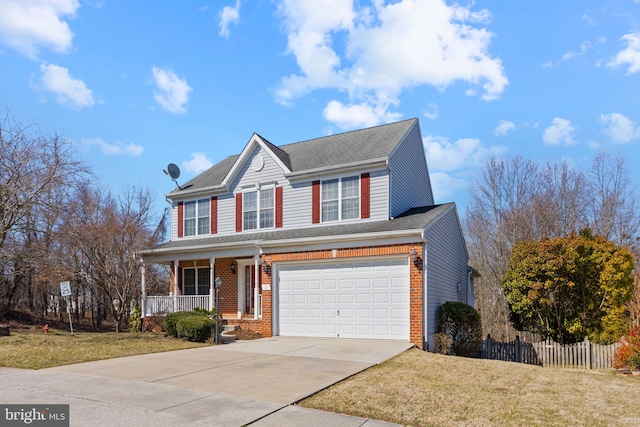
(348, 300)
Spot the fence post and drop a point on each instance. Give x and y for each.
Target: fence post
(518, 349)
(588, 350)
(488, 351)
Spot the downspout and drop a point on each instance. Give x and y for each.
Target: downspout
(469, 271)
(212, 274)
(175, 285)
(425, 294)
(256, 279)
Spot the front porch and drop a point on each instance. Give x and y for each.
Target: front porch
(192, 284)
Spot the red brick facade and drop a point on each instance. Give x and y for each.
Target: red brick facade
(229, 289)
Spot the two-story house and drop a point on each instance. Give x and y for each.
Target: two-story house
(337, 236)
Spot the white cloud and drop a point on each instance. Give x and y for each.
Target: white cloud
(464, 154)
(504, 126)
(374, 53)
(453, 165)
(117, 148)
(229, 15)
(444, 185)
(560, 132)
(357, 116)
(584, 47)
(198, 163)
(433, 111)
(629, 56)
(619, 128)
(172, 93)
(27, 25)
(70, 91)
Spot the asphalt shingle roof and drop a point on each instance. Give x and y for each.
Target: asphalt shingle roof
(350, 147)
(413, 219)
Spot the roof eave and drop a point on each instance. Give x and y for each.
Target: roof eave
(188, 249)
(400, 234)
(380, 163)
(219, 188)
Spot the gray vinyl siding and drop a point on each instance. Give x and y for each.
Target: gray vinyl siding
(296, 205)
(379, 203)
(247, 176)
(226, 214)
(446, 267)
(409, 181)
(174, 221)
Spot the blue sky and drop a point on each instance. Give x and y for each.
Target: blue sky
(138, 85)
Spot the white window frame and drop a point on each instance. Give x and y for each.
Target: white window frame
(340, 198)
(259, 208)
(197, 204)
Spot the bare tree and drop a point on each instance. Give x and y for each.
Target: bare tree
(614, 208)
(33, 166)
(561, 203)
(103, 235)
(500, 214)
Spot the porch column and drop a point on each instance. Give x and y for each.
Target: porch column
(256, 291)
(143, 284)
(175, 285)
(212, 266)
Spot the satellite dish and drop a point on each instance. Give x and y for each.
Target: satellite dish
(174, 171)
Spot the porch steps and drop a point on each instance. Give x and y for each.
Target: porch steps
(227, 335)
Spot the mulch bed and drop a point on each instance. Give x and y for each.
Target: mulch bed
(243, 334)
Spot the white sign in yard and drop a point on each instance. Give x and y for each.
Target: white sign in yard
(65, 289)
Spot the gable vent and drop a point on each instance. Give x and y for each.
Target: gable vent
(258, 163)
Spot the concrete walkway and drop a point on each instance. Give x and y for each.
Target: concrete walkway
(242, 383)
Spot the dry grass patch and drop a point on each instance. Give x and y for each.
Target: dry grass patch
(424, 389)
(32, 349)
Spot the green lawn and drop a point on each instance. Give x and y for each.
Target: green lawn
(32, 349)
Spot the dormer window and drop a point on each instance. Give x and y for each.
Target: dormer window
(258, 209)
(340, 199)
(197, 217)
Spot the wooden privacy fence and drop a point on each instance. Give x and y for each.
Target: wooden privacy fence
(584, 355)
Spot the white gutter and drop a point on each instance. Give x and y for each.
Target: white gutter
(247, 243)
(211, 188)
(309, 173)
(340, 238)
(290, 242)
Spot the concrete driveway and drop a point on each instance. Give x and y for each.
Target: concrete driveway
(246, 382)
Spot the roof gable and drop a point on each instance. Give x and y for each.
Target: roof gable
(256, 140)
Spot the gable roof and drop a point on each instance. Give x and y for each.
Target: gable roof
(413, 221)
(358, 146)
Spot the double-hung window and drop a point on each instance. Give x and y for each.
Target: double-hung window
(258, 209)
(197, 217)
(340, 199)
(196, 281)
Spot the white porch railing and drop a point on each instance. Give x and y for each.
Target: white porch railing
(189, 302)
(155, 305)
